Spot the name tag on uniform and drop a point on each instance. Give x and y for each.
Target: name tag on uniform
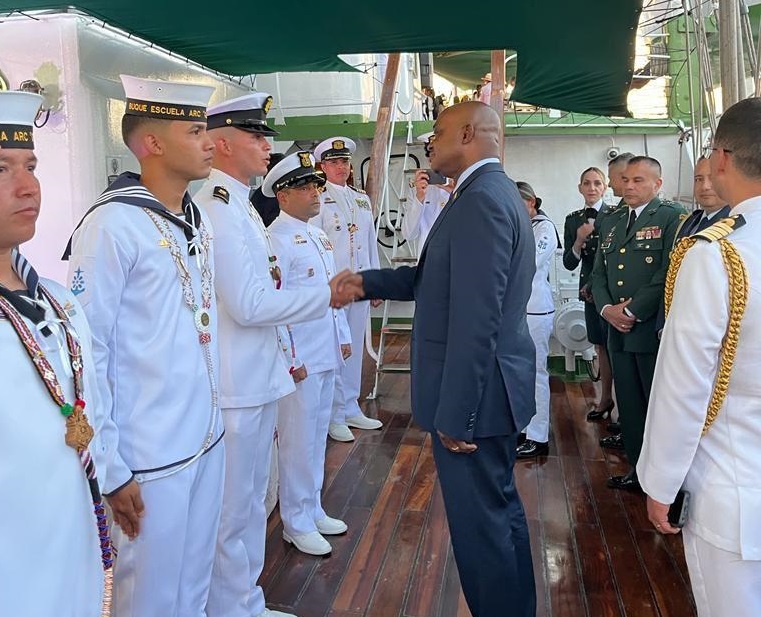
(326, 244)
(310, 272)
(299, 239)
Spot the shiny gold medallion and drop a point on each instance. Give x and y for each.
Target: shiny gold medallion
(79, 433)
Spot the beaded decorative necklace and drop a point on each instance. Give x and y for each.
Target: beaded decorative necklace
(79, 433)
(201, 318)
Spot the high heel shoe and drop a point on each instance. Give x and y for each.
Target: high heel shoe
(600, 414)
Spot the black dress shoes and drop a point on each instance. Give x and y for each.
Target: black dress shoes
(613, 442)
(600, 414)
(531, 449)
(521, 438)
(614, 428)
(629, 482)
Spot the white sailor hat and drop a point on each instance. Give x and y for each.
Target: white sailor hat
(335, 148)
(247, 112)
(18, 111)
(295, 169)
(165, 100)
(425, 137)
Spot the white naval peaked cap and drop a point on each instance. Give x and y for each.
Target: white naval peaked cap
(295, 169)
(335, 148)
(247, 112)
(18, 111)
(166, 100)
(425, 137)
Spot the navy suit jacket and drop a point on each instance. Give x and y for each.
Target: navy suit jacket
(473, 360)
(692, 225)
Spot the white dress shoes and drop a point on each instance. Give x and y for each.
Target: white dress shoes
(311, 543)
(340, 432)
(330, 526)
(363, 422)
(269, 613)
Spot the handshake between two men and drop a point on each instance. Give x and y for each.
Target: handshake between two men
(345, 288)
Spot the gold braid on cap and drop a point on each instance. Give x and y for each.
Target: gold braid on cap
(737, 277)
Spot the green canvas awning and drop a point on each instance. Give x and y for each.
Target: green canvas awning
(465, 68)
(574, 55)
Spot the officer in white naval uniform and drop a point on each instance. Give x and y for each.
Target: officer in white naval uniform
(540, 315)
(254, 369)
(425, 202)
(306, 260)
(142, 266)
(346, 216)
(703, 427)
(51, 563)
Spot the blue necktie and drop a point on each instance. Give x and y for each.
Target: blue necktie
(704, 222)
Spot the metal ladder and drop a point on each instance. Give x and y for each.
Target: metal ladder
(381, 366)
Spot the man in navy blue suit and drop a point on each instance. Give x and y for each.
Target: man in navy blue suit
(473, 366)
(712, 207)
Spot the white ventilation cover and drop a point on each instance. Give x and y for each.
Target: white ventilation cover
(570, 326)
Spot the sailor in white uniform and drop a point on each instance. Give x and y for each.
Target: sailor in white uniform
(321, 345)
(346, 216)
(254, 369)
(540, 314)
(142, 266)
(51, 562)
(425, 202)
(703, 430)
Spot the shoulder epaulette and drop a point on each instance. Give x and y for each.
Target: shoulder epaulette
(354, 188)
(673, 204)
(221, 193)
(620, 210)
(721, 229)
(575, 213)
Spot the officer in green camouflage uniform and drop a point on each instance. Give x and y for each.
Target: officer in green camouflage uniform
(627, 284)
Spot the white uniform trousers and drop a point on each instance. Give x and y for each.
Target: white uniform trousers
(540, 329)
(723, 584)
(349, 376)
(302, 433)
(239, 559)
(166, 570)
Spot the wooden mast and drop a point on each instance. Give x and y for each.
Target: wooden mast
(497, 100)
(379, 150)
